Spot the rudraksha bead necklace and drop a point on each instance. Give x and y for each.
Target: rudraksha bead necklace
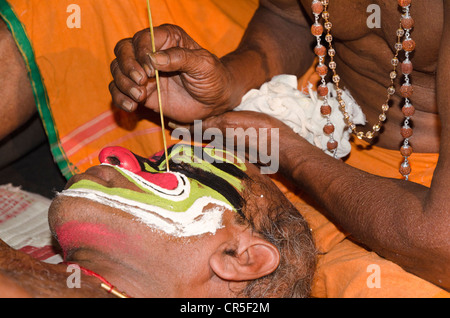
(320, 9)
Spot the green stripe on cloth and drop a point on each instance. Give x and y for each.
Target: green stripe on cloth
(39, 91)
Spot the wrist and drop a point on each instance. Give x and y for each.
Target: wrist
(244, 73)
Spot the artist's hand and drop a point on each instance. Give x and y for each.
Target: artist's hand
(194, 82)
(258, 134)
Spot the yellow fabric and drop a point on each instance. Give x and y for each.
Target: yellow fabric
(75, 66)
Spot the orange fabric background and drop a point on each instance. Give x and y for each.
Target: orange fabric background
(74, 62)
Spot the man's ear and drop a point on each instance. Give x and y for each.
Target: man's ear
(248, 258)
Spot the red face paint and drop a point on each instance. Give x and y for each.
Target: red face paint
(124, 158)
(76, 234)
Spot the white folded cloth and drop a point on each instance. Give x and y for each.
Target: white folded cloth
(281, 99)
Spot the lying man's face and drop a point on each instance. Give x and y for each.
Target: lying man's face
(190, 232)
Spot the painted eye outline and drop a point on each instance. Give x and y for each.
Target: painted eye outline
(180, 193)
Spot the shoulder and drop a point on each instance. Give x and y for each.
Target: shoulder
(290, 10)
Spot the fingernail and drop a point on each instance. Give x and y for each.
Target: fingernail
(159, 58)
(136, 76)
(127, 105)
(147, 70)
(135, 93)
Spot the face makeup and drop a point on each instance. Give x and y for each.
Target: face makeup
(189, 200)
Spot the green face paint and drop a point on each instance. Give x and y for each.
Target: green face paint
(180, 211)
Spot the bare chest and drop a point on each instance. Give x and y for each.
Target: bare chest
(364, 33)
(356, 21)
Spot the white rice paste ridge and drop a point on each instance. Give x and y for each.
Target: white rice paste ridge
(194, 221)
(180, 193)
(281, 99)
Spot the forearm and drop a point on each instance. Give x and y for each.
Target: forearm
(272, 44)
(392, 217)
(16, 98)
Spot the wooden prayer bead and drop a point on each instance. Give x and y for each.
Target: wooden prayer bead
(328, 129)
(322, 90)
(325, 110)
(317, 7)
(406, 132)
(406, 90)
(407, 67)
(320, 50)
(409, 45)
(407, 23)
(405, 169)
(322, 69)
(317, 29)
(406, 151)
(408, 110)
(332, 145)
(404, 3)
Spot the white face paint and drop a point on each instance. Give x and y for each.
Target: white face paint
(179, 214)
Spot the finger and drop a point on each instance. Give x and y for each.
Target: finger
(142, 46)
(165, 36)
(212, 122)
(125, 84)
(121, 100)
(179, 59)
(127, 62)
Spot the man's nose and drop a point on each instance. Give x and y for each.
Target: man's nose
(124, 158)
(121, 157)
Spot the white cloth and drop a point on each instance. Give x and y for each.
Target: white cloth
(24, 223)
(281, 99)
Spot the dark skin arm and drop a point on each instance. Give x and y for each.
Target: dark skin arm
(201, 84)
(23, 276)
(17, 104)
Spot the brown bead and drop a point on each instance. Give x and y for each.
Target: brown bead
(325, 110)
(328, 129)
(317, 7)
(409, 45)
(331, 145)
(408, 111)
(317, 29)
(405, 169)
(406, 90)
(322, 69)
(406, 151)
(407, 23)
(406, 132)
(404, 3)
(322, 90)
(320, 50)
(407, 67)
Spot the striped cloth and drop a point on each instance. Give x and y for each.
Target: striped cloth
(24, 224)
